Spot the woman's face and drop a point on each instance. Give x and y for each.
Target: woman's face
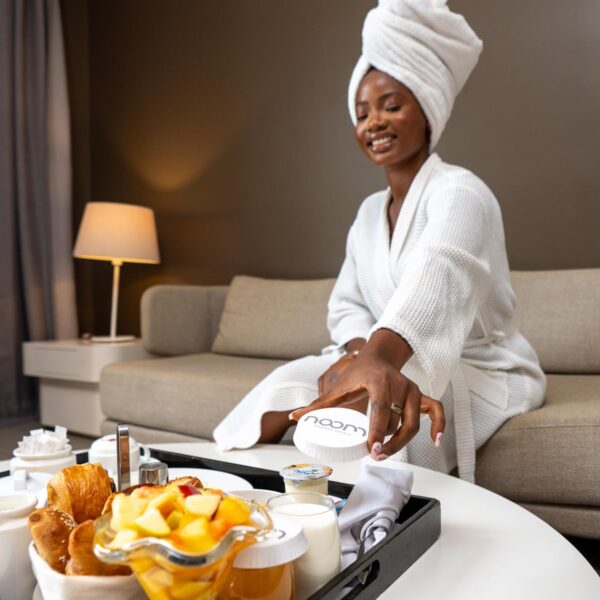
(390, 125)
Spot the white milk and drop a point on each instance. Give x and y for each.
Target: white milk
(322, 560)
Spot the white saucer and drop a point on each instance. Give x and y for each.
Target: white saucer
(64, 452)
(210, 479)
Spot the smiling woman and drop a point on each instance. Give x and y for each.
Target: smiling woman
(422, 312)
(387, 111)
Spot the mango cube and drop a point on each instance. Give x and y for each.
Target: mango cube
(218, 528)
(236, 512)
(174, 519)
(196, 535)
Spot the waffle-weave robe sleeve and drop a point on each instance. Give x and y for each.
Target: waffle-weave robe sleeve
(444, 280)
(348, 316)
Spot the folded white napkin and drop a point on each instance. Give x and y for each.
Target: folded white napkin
(372, 508)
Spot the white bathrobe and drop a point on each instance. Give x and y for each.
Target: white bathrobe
(442, 282)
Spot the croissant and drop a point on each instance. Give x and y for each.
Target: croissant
(80, 490)
(83, 561)
(50, 529)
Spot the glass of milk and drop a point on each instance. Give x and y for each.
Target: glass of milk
(322, 561)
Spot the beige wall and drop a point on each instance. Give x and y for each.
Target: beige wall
(229, 119)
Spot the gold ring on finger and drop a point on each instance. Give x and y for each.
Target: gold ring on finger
(396, 408)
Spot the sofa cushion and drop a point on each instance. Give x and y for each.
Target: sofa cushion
(188, 394)
(582, 521)
(559, 313)
(274, 318)
(549, 455)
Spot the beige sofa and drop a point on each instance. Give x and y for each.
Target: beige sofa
(212, 352)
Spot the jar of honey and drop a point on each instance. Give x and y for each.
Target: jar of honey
(265, 571)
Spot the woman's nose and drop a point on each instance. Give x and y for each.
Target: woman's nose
(375, 122)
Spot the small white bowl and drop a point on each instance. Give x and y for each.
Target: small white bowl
(16, 504)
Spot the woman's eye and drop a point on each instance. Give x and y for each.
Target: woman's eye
(361, 117)
(393, 108)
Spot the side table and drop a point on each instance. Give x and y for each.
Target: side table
(69, 372)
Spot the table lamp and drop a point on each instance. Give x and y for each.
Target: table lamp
(118, 233)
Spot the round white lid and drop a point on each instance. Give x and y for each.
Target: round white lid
(107, 445)
(288, 544)
(333, 434)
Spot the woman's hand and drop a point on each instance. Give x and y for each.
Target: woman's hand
(330, 377)
(375, 372)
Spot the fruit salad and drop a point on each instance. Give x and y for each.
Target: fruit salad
(189, 523)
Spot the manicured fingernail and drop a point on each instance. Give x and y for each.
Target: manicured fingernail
(382, 456)
(438, 439)
(376, 449)
(291, 417)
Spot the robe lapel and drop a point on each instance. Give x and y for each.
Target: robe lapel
(409, 208)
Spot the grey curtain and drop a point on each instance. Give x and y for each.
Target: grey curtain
(37, 298)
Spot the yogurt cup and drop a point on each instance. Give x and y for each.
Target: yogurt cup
(306, 477)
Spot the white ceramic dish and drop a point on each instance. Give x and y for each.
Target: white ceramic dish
(210, 479)
(44, 465)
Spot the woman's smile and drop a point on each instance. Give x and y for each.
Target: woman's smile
(382, 143)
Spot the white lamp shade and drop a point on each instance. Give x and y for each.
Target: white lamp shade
(114, 231)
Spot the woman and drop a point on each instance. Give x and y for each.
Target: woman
(422, 310)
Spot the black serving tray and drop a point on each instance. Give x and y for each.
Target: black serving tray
(415, 531)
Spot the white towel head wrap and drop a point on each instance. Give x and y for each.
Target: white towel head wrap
(424, 46)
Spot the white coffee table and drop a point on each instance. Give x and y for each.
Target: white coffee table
(489, 548)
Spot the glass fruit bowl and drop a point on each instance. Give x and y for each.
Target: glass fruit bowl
(167, 572)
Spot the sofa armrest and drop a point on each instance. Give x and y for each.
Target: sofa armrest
(181, 319)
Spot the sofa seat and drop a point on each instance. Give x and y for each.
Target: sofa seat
(555, 447)
(184, 394)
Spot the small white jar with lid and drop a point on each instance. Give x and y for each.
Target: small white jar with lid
(333, 435)
(306, 477)
(265, 571)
